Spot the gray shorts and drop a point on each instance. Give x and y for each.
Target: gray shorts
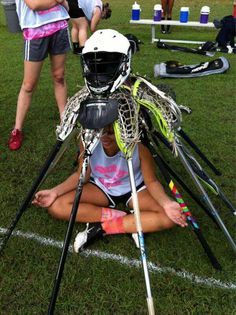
(55, 44)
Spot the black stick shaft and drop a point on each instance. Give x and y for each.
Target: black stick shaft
(198, 151)
(30, 195)
(66, 244)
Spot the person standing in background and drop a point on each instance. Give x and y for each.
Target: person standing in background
(45, 31)
(167, 6)
(85, 13)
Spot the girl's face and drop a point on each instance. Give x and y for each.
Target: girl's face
(108, 139)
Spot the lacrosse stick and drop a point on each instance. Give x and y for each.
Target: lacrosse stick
(203, 193)
(169, 92)
(190, 219)
(127, 136)
(167, 116)
(157, 135)
(185, 49)
(90, 140)
(198, 151)
(173, 174)
(64, 134)
(198, 170)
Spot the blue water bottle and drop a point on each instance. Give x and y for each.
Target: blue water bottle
(184, 12)
(135, 11)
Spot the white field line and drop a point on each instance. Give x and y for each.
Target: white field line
(211, 282)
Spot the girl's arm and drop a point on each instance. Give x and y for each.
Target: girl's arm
(95, 19)
(155, 189)
(45, 198)
(37, 5)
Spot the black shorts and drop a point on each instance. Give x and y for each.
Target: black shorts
(55, 44)
(115, 200)
(74, 10)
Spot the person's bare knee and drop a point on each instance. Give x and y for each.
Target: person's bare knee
(55, 210)
(28, 87)
(58, 77)
(169, 224)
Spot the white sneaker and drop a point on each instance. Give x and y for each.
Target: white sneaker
(83, 239)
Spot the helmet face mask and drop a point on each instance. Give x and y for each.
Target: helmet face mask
(106, 61)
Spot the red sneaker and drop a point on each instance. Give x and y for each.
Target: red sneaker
(16, 139)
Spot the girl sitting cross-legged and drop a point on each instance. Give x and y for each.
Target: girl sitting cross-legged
(107, 185)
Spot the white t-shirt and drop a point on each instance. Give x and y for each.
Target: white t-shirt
(31, 19)
(88, 7)
(111, 173)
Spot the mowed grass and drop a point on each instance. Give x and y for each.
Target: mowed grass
(92, 284)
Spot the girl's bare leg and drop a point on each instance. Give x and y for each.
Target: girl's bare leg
(58, 72)
(153, 216)
(82, 26)
(170, 7)
(90, 207)
(31, 76)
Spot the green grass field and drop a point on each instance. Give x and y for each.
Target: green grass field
(108, 278)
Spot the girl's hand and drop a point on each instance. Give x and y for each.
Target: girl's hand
(45, 198)
(174, 212)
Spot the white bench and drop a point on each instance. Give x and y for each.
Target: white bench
(171, 23)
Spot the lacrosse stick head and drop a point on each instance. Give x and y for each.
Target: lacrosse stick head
(69, 118)
(164, 113)
(126, 127)
(106, 61)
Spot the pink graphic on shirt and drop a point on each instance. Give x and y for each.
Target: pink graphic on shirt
(112, 175)
(44, 30)
(54, 9)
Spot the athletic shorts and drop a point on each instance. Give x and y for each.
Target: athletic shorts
(115, 200)
(55, 44)
(74, 10)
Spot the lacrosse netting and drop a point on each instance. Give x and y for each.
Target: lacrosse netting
(70, 115)
(165, 114)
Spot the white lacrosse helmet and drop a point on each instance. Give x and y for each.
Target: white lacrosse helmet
(106, 60)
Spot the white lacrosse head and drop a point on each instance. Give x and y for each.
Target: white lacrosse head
(106, 60)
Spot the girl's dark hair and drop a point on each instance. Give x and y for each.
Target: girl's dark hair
(106, 11)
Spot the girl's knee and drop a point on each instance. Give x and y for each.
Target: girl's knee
(169, 224)
(58, 78)
(28, 87)
(55, 212)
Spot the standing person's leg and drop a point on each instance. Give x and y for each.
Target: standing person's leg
(164, 12)
(170, 7)
(83, 25)
(59, 45)
(169, 13)
(79, 33)
(75, 12)
(75, 36)
(32, 71)
(60, 87)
